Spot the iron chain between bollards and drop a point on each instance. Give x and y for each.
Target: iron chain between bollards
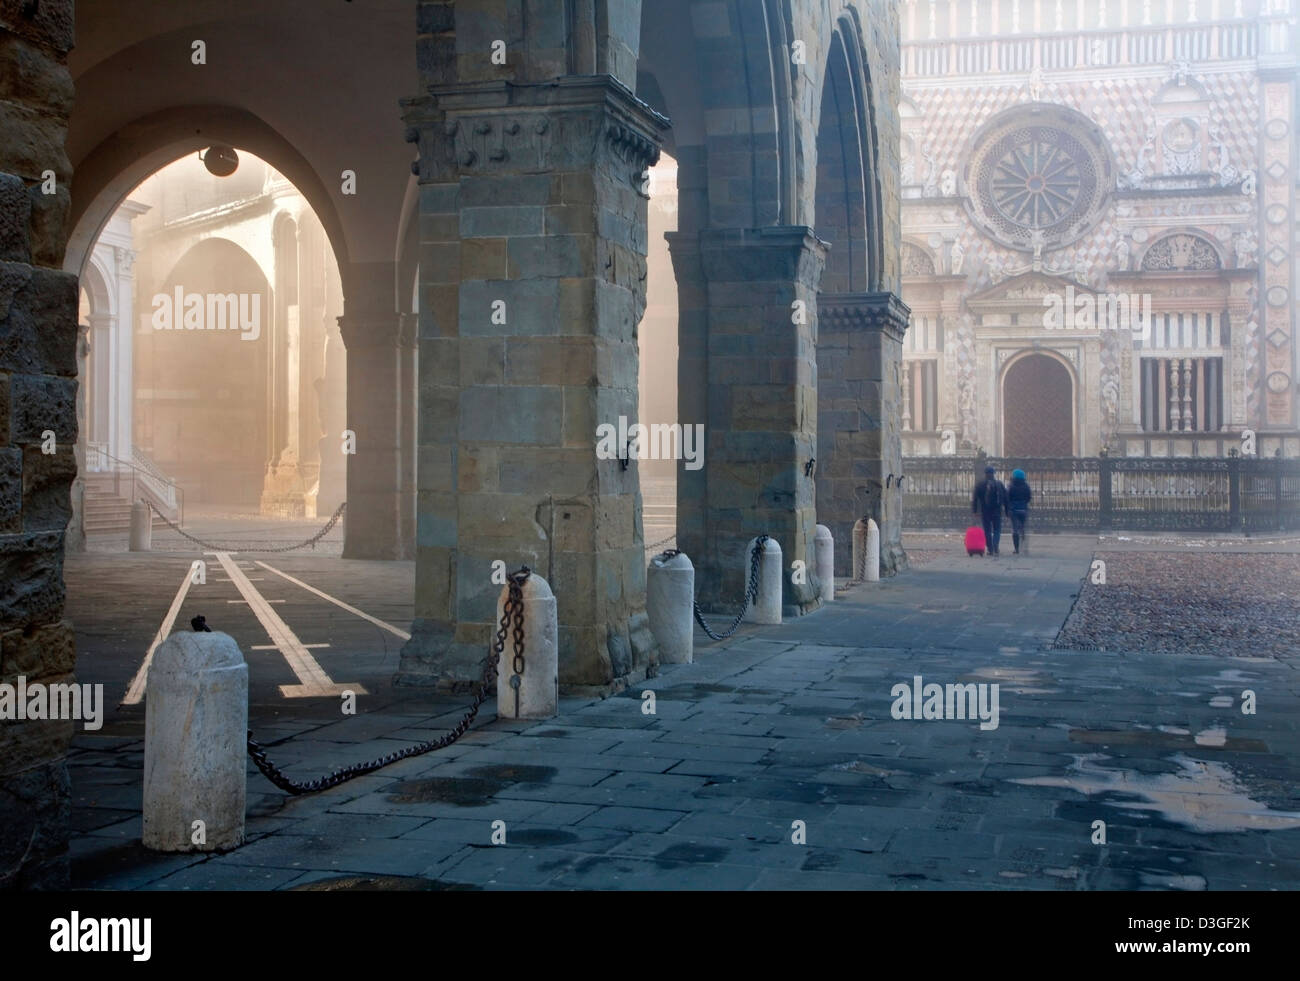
(329, 525)
(751, 591)
(514, 610)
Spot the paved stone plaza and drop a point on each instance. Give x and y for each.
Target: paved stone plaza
(776, 726)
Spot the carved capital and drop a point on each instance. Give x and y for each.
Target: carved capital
(882, 311)
(490, 128)
(370, 331)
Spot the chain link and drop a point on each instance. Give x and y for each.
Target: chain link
(751, 591)
(329, 525)
(670, 538)
(514, 609)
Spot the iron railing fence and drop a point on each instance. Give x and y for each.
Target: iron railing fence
(1232, 494)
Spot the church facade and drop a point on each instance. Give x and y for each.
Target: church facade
(1099, 227)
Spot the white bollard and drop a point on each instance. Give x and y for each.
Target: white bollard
(670, 604)
(538, 693)
(866, 550)
(195, 744)
(767, 609)
(824, 552)
(141, 527)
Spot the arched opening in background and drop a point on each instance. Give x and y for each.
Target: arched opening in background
(213, 374)
(1037, 408)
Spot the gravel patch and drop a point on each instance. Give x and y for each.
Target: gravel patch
(1227, 604)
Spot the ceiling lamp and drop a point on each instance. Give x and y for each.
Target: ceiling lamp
(221, 161)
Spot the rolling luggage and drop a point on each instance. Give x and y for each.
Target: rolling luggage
(975, 543)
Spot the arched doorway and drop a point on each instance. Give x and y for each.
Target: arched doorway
(1037, 408)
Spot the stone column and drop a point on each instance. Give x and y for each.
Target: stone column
(747, 370)
(407, 358)
(532, 268)
(859, 361)
(370, 329)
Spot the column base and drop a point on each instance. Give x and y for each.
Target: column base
(434, 658)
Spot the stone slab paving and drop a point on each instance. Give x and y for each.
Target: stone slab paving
(787, 733)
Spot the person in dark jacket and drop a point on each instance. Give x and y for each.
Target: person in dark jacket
(1018, 497)
(989, 500)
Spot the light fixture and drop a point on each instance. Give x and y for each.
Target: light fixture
(221, 161)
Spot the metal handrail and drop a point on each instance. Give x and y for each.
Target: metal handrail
(172, 484)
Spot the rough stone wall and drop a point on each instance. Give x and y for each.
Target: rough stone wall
(38, 338)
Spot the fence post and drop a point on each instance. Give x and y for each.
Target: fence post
(1105, 500)
(1277, 492)
(1236, 518)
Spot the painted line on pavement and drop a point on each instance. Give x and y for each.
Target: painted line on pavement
(337, 602)
(313, 681)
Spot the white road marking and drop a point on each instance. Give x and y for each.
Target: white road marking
(337, 602)
(245, 601)
(312, 677)
(272, 647)
(135, 692)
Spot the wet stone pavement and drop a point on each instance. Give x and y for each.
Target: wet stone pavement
(785, 734)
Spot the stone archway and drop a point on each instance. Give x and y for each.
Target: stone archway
(1037, 408)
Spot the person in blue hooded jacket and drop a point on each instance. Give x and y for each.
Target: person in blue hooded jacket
(1019, 495)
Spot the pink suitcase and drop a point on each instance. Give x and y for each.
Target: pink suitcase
(975, 543)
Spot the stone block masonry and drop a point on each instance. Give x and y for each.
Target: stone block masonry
(532, 272)
(859, 445)
(38, 336)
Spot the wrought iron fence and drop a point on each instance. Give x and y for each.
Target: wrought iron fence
(1121, 493)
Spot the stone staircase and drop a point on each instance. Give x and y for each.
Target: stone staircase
(105, 512)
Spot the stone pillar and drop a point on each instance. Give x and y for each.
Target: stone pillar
(38, 383)
(532, 268)
(370, 329)
(747, 370)
(407, 359)
(859, 361)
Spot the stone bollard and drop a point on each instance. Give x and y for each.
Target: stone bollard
(141, 527)
(195, 744)
(866, 550)
(538, 693)
(767, 609)
(670, 605)
(824, 552)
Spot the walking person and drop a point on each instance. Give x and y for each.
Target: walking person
(1019, 495)
(989, 500)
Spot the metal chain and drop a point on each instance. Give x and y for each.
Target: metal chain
(514, 609)
(751, 591)
(651, 548)
(329, 525)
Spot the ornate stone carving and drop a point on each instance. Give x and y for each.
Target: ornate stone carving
(1043, 170)
(1180, 252)
(916, 262)
(489, 127)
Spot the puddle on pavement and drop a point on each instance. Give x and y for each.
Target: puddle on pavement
(1022, 681)
(542, 836)
(475, 789)
(860, 766)
(853, 721)
(380, 883)
(1201, 795)
(1167, 738)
